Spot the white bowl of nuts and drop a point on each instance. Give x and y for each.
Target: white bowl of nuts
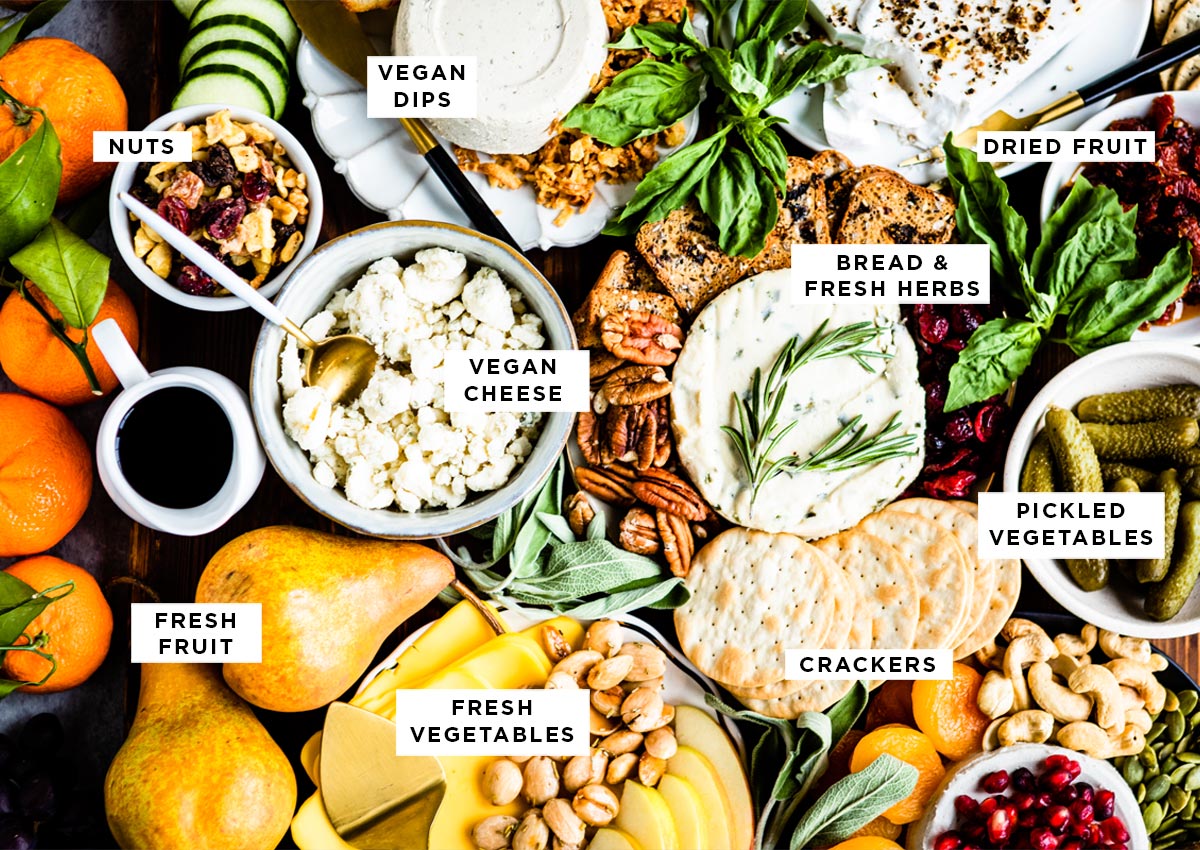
(251, 196)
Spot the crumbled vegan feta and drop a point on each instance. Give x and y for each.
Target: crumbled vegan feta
(395, 445)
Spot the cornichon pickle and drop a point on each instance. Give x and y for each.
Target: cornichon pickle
(1189, 480)
(1125, 485)
(1113, 472)
(1141, 405)
(1038, 474)
(1166, 598)
(1142, 440)
(1080, 471)
(1154, 569)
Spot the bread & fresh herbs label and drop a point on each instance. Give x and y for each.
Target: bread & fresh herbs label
(891, 274)
(422, 86)
(195, 633)
(516, 381)
(470, 722)
(1071, 525)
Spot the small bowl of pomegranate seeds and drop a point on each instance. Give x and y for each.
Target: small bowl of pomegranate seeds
(250, 197)
(1031, 797)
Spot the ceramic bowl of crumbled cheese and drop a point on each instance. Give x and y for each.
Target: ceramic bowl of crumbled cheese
(394, 463)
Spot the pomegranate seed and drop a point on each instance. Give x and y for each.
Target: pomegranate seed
(1043, 800)
(1055, 781)
(1057, 761)
(975, 832)
(1113, 830)
(1085, 791)
(1071, 844)
(1000, 826)
(996, 782)
(948, 841)
(1073, 768)
(966, 806)
(1043, 839)
(1067, 795)
(1081, 810)
(1028, 818)
(1024, 801)
(1057, 817)
(1105, 803)
(987, 808)
(1118, 847)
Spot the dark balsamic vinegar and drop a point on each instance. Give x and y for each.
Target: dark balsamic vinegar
(175, 447)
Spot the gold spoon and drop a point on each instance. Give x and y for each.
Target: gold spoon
(341, 365)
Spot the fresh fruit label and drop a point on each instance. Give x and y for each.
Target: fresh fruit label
(195, 633)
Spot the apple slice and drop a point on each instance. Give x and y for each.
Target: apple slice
(611, 838)
(687, 809)
(645, 816)
(696, 729)
(697, 771)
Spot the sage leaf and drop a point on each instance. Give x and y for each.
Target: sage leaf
(854, 801)
(844, 713)
(558, 526)
(996, 355)
(626, 600)
(597, 528)
(37, 18)
(595, 566)
(524, 560)
(68, 271)
(29, 181)
(643, 100)
(808, 760)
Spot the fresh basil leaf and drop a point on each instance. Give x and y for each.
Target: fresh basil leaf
(984, 216)
(740, 200)
(765, 146)
(29, 181)
(996, 355)
(1098, 253)
(817, 63)
(626, 600)
(1111, 315)
(717, 11)
(642, 100)
(662, 39)
(769, 19)
(68, 271)
(854, 801)
(670, 185)
(1084, 203)
(37, 18)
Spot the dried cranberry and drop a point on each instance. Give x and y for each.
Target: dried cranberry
(935, 395)
(934, 442)
(959, 456)
(255, 187)
(195, 282)
(964, 319)
(221, 218)
(933, 328)
(987, 424)
(954, 343)
(176, 214)
(954, 485)
(960, 428)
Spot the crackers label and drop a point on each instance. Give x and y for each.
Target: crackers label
(855, 664)
(492, 723)
(1071, 525)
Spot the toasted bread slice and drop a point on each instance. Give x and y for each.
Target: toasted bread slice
(837, 192)
(622, 286)
(682, 251)
(884, 208)
(830, 162)
(802, 217)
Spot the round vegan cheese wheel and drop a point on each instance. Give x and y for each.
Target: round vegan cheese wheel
(537, 59)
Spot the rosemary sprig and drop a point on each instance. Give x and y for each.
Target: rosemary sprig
(759, 433)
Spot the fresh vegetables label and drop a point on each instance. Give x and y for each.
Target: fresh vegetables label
(891, 274)
(1066, 146)
(143, 146)
(471, 722)
(195, 633)
(1071, 525)
(422, 87)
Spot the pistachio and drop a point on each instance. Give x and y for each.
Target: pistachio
(502, 781)
(494, 833)
(541, 780)
(608, 702)
(650, 769)
(585, 770)
(577, 665)
(642, 710)
(661, 743)
(519, 759)
(621, 768)
(603, 636)
(532, 832)
(567, 826)
(649, 662)
(595, 804)
(609, 673)
(621, 742)
(555, 643)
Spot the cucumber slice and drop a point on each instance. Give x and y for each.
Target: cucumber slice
(185, 7)
(272, 14)
(214, 31)
(224, 85)
(260, 65)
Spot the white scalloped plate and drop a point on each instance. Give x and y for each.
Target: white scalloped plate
(384, 171)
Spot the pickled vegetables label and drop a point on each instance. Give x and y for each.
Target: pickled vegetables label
(1072, 525)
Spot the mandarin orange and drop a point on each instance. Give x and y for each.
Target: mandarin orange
(948, 712)
(909, 746)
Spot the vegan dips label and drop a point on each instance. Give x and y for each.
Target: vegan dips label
(422, 86)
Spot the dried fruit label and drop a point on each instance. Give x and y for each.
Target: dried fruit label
(1004, 146)
(462, 722)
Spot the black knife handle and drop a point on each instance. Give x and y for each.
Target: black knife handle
(465, 195)
(1155, 60)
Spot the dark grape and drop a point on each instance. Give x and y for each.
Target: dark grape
(8, 751)
(9, 804)
(41, 735)
(36, 795)
(16, 833)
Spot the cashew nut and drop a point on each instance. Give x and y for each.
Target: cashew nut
(991, 656)
(1063, 703)
(1100, 683)
(1131, 698)
(1086, 738)
(1026, 727)
(991, 735)
(1116, 646)
(1130, 742)
(996, 695)
(1138, 718)
(1025, 650)
(1017, 627)
(1077, 645)
(1139, 676)
(1064, 665)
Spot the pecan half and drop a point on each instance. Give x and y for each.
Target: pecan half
(666, 490)
(623, 471)
(641, 337)
(636, 385)
(587, 434)
(579, 513)
(603, 484)
(622, 429)
(662, 447)
(678, 545)
(647, 444)
(639, 532)
(601, 363)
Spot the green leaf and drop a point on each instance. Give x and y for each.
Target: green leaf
(37, 18)
(808, 759)
(29, 181)
(642, 100)
(717, 11)
(739, 198)
(662, 38)
(597, 529)
(13, 592)
(854, 801)
(765, 146)
(1098, 253)
(558, 526)
(503, 534)
(68, 271)
(984, 216)
(524, 560)
(14, 621)
(627, 600)
(769, 19)
(1085, 203)
(584, 568)
(1111, 315)
(7, 686)
(996, 355)
(814, 64)
(669, 186)
(740, 75)
(845, 712)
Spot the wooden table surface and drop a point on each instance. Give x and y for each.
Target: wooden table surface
(140, 41)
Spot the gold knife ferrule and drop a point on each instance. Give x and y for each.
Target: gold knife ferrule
(420, 135)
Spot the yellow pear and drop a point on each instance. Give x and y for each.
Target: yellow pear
(328, 603)
(198, 771)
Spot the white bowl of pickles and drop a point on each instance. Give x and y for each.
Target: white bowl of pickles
(1134, 405)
